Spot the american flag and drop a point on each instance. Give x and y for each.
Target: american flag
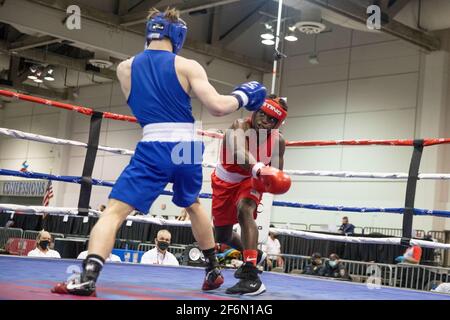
(48, 194)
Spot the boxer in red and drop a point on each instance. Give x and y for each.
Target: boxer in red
(251, 163)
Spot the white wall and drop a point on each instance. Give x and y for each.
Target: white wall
(366, 86)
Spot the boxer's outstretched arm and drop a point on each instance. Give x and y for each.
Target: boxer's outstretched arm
(217, 104)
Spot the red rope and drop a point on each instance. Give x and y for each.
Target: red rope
(120, 117)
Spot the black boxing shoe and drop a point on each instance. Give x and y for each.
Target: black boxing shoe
(259, 264)
(250, 283)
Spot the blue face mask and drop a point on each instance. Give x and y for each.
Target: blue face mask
(332, 263)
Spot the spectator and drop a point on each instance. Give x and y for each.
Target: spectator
(316, 268)
(43, 242)
(334, 268)
(412, 255)
(159, 254)
(273, 250)
(346, 227)
(101, 208)
(184, 216)
(111, 258)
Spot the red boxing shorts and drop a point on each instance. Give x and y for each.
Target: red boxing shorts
(226, 196)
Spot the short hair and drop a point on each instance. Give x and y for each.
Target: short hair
(171, 14)
(316, 255)
(39, 235)
(346, 218)
(160, 232)
(334, 255)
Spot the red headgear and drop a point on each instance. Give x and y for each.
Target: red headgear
(273, 108)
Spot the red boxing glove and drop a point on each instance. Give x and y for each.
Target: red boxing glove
(272, 180)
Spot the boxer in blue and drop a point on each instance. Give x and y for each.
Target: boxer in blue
(157, 84)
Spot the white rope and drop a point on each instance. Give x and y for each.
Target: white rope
(304, 173)
(351, 174)
(39, 138)
(160, 221)
(358, 240)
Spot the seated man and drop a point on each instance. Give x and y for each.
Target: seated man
(334, 268)
(346, 228)
(43, 242)
(273, 250)
(159, 254)
(316, 268)
(412, 255)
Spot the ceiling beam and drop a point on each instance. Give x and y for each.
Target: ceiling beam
(94, 35)
(144, 5)
(122, 7)
(396, 7)
(358, 13)
(246, 22)
(32, 42)
(86, 12)
(189, 6)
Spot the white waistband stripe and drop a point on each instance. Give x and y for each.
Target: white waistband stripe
(230, 177)
(170, 132)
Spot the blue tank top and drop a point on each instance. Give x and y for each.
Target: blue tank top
(156, 94)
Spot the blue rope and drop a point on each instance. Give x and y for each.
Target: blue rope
(96, 182)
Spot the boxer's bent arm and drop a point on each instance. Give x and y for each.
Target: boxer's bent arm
(240, 151)
(279, 153)
(217, 104)
(124, 76)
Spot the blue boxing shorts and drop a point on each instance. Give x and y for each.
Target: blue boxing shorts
(152, 167)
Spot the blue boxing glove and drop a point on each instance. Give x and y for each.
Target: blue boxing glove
(250, 95)
(400, 259)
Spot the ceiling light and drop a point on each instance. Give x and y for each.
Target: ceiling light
(49, 77)
(267, 36)
(268, 42)
(291, 37)
(32, 77)
(38, 80)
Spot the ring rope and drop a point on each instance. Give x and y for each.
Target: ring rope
(37, 210)
(306, 173)
(97, 182)
(120, 117)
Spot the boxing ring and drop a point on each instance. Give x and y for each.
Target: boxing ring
(19, 279)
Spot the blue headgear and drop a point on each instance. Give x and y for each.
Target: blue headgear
(159, 27)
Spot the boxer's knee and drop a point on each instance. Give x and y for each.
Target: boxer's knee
(246, 208)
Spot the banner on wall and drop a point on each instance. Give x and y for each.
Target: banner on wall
(34, 188)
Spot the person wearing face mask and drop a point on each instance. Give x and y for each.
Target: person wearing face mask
(43, 242)
(334, 268)
(160, 254)
(316, 267)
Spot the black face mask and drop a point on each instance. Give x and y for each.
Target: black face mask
(44, 244)
(162, 245)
